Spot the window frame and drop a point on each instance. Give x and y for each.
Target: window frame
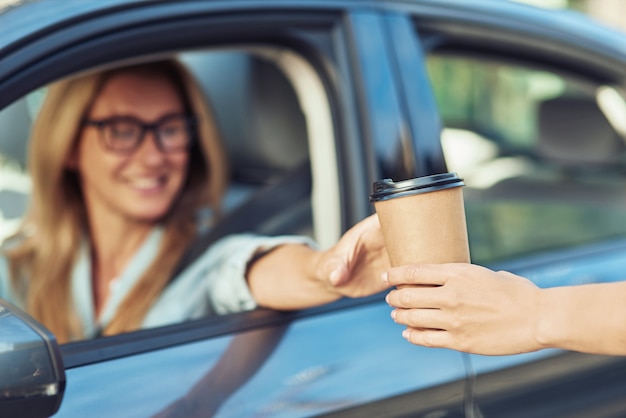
(96, 41)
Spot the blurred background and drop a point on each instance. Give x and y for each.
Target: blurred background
(609, 12)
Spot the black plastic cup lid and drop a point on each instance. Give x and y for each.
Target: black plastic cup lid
(388, 189)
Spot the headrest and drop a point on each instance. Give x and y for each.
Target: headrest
(257, 111)
(574, 131)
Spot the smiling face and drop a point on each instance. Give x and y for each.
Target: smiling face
(143, 184)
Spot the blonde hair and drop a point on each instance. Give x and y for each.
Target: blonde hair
(41, 264)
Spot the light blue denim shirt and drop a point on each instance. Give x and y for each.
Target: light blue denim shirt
(215, 284)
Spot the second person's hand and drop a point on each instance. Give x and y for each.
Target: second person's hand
(465, 307)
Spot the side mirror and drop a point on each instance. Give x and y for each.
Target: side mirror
(32, 376)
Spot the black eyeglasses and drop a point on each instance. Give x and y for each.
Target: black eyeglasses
(124, 134)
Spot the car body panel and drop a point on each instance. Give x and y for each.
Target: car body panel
(346, 359)
(316, 366)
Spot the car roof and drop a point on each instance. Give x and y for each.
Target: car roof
(37, 29)
(26, 18)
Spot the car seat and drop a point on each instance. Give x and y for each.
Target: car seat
(258, 114)
(579, 157)
(574, 132)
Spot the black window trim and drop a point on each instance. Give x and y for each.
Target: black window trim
(85, 352)
(476, 37)
(117, 37)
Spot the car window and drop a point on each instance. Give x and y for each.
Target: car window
(542, 153)
(266, 124)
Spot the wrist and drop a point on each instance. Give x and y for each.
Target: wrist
(547, 321)
(322, 270)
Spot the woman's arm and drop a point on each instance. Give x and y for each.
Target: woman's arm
(296, 276)
(471, 308)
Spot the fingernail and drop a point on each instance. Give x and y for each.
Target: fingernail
(387, 299)
(393, 314)
(385, 277)
(406, 334)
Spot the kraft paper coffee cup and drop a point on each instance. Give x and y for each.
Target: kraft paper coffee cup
(423, 219)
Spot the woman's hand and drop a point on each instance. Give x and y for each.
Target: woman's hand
(353, 266)
(295, 276)
(465, 307)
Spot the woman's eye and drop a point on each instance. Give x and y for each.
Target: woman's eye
(123, 131)
(172, 129)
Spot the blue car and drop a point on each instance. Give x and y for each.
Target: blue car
(316, 101)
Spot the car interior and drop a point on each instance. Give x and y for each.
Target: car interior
(544, 164)
(262, 125)
(266, 129)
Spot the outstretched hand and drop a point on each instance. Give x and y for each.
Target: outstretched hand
(465, 307)
(354, 265)
(297, 276)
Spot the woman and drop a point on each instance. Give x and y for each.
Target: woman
(121, 162)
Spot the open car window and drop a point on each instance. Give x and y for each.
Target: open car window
(269, 103)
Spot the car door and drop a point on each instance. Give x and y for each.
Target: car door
(532, 109)
(348, 356)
